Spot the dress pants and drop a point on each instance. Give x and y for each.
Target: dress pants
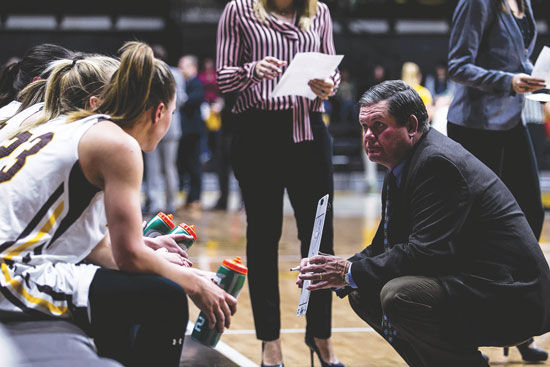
(189, 162)
(415, 308)
(266, 161)
(162, 176)
(510, 154)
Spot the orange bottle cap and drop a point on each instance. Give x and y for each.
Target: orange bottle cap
(189, 229)
(235, 265)
(167, 219)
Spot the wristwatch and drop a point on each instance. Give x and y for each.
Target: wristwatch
(346, 277)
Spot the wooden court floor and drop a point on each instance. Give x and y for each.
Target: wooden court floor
(222, 235)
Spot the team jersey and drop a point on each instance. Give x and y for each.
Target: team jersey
(10, 126)
(7, 111)
(51, 218)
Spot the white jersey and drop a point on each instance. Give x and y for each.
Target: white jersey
(10, 126)
(7, 111)
(51, 218)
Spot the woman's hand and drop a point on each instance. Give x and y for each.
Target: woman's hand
(217, 304)
(523, 83)
(169, 242)
(322, 88)
(173, 257)
(269, 68)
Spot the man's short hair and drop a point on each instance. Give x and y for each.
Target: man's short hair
(403, 101)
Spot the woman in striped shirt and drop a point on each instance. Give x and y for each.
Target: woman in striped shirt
(280, 143)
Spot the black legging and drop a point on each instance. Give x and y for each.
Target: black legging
(266, 162)
(510, 154)
(138, 319)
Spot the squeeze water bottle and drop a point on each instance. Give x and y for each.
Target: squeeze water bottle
(159, 225)
(230, 277)
(188, 230)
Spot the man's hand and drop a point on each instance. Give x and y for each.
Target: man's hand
(322, 88)
(169, 242)
(324, 271)
(523, 83)
(217, 305)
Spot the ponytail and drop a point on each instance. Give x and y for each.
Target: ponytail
(32, 94)
(8, 74)
(141, 82)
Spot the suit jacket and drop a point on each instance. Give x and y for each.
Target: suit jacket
(486, 49)
(454, 219)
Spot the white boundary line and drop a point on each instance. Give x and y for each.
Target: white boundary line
(301, 331)
(226, 350)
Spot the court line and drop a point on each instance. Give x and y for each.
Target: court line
(226, 350)
(301, 331)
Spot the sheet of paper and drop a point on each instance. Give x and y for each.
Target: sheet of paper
(313, 250)
(304, 67)
(542, 66)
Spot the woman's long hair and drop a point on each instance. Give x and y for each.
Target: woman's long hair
(17, 76)
(141, 82)
(306, 10)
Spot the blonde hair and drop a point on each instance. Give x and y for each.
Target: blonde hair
(306, 10)
(69, 86)
(141, 82)
(410, 73)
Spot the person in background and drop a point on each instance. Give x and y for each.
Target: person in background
(410, 74)
(280, 143)
(489, 49)
(161, 171)
(192, 130)
(16, 76)
(453, 255)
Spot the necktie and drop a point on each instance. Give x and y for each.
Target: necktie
(388, 332)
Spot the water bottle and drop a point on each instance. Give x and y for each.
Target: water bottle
(230, 277)
(188, 230)
(159, 225)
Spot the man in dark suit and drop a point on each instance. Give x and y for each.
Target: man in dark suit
(453, 255)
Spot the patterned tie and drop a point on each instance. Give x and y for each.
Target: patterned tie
(388, 332)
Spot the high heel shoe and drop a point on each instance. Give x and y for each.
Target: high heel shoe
(310, 342)
(530, 353)
(269, 365)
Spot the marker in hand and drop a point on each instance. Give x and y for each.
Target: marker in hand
(297, 268)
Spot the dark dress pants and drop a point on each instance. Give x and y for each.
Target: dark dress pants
(415, 307)
(510, 154)
(189, 162)
(266, 161)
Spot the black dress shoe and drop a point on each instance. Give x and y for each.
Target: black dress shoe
(310, 342)
(530, 353)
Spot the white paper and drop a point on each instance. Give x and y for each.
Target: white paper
(541, 69)
(304, 67)
(313, 250)
(539, 97)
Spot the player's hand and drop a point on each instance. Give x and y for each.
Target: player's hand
(217, 305)
(169, 242)
(173, 257)
(523, 83)
(269, 68)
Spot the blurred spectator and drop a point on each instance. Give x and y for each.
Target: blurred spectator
(346, 97)
(410, 74)
(161, 172)
(439, 83)
(192, 129)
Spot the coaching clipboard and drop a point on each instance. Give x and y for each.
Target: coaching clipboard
(313, 250)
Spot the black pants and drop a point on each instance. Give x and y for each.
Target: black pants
(266, 162)
(189, 162)
(138, 319)
(510, 154)
(415, 308)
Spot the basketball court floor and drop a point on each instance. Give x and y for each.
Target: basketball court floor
(222, 235)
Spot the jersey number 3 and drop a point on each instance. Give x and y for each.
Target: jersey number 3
(25, 145)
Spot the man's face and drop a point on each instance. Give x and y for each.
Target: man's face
(384, 140)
